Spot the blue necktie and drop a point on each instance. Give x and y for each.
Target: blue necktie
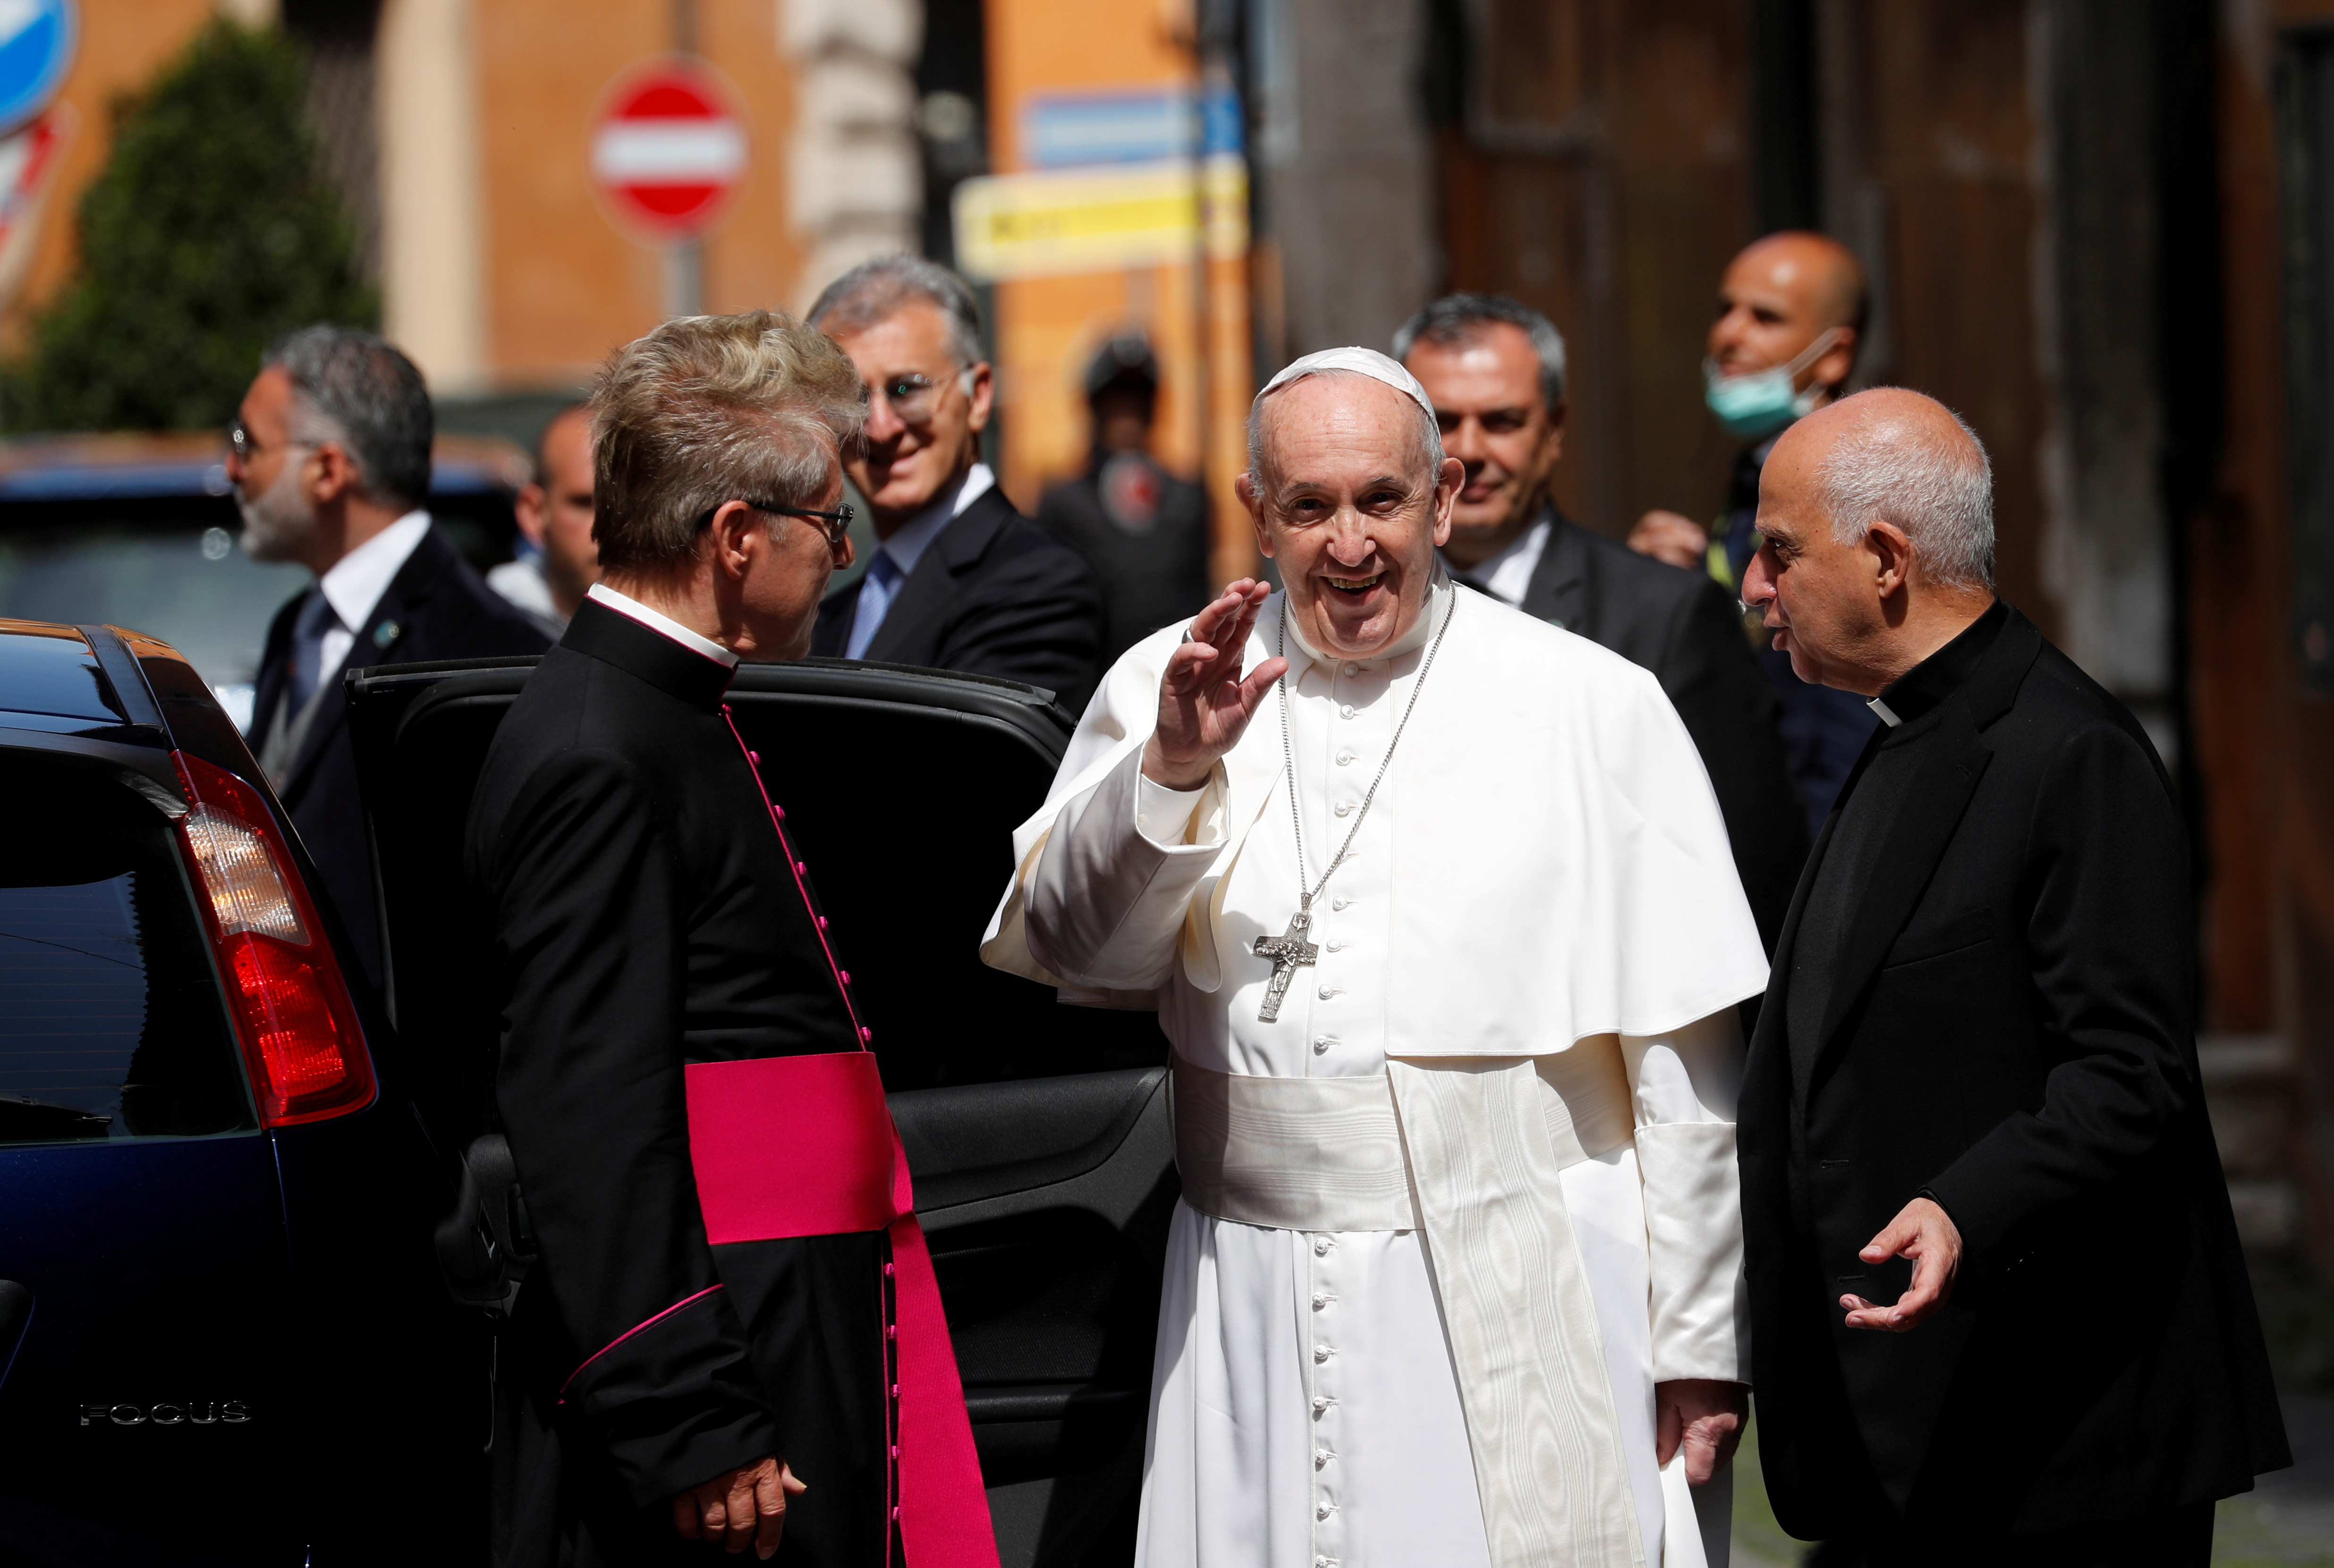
(875, 595)
(316, 618)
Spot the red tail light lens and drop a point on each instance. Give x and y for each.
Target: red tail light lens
(299, 1031)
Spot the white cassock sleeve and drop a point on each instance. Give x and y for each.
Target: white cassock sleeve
(1107, 897)
(1685, 1085)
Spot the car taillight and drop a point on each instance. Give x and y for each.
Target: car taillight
(299, 1031)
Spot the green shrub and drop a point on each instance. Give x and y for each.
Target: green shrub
(211, 229)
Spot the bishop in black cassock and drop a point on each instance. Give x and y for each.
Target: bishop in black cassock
(646, 915)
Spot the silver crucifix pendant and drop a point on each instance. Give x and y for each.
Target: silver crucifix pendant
(1287, 952)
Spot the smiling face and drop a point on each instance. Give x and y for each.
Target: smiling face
(925, 411)
(1346, 505)
(1495, 420)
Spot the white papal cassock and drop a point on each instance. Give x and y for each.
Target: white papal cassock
(1512, 1209)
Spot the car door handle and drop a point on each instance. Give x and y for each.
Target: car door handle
(15, 1311)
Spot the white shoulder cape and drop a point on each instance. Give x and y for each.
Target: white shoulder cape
(1561, 869)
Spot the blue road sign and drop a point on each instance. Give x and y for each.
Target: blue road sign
(37, 45)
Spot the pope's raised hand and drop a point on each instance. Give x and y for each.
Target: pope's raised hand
(1204, 705)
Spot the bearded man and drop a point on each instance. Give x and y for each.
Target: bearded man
(1453, 1276)
(330, 460)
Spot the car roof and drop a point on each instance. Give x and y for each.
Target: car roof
(126, 465)
(51, 673)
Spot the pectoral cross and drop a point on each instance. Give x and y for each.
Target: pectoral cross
(1286, 951)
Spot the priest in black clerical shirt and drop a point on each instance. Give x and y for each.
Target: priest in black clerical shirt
(1998, 1310)
(664, 1387)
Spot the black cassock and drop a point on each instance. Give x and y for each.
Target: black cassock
(645, 917)
(1984, 993)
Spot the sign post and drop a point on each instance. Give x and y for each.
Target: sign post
(671, 149)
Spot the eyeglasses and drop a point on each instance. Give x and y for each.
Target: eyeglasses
(916, 399)
(238, 438)
(835, 525)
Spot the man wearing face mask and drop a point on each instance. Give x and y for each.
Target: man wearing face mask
(1791, 316)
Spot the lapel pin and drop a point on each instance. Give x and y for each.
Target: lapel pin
(385, 633)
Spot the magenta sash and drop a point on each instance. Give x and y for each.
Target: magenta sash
(791, 1146)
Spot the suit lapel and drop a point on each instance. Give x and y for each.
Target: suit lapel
(274, 661)
(1556, 592)
(832, 634)
(1786, 940)
(956, 550)
(376, 643)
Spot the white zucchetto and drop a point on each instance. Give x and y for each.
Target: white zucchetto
(1362, 362)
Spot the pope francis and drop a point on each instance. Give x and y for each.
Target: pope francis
(1438, 912)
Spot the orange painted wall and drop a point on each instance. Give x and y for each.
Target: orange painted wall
(565, 283)
(1048, 328)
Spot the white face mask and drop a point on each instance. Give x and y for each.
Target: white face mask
(1757, 404)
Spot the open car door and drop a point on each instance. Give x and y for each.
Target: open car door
(1037, 1133)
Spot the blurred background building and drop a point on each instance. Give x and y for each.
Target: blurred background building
(2102, 229)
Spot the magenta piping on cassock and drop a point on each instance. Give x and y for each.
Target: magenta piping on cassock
(628, 1333)
(859, 1032)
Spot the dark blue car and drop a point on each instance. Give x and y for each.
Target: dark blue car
(222, 1332)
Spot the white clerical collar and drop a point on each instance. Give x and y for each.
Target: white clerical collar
(908, 545)
(1885, 714)
(1438, 594)
(625, 604)
(356, 580)
(1506, 573)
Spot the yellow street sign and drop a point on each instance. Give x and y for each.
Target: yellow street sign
(1037, 224)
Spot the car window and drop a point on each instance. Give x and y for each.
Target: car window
(189, 586)
(111, 1024)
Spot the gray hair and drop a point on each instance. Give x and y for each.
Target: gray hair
(1426, 450)
(1459, 319)
(876, 291)
(1939, 491)
(353, 388)
(705, 410)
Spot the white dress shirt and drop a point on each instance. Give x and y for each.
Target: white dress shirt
(1507, 574)
(626, 605)
(906, 546)
(356, 581)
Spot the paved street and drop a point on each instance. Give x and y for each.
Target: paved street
(2287, 1521)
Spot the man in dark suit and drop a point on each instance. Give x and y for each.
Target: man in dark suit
(1977, 1059)
(689, 1342)
(959, 580)
(330, 460)
(1495, 371)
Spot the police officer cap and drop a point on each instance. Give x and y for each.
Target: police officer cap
(1125, 358)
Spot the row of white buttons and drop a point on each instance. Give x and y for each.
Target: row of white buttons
(1325, 1505)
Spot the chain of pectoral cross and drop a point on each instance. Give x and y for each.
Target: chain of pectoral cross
(1291, 950)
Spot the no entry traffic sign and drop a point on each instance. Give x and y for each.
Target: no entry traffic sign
(37, 45)
(668, 148)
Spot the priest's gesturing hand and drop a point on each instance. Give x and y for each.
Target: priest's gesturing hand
(739, 1508)
(1204, 706)
(1923, 1232)
(1704, 1416)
